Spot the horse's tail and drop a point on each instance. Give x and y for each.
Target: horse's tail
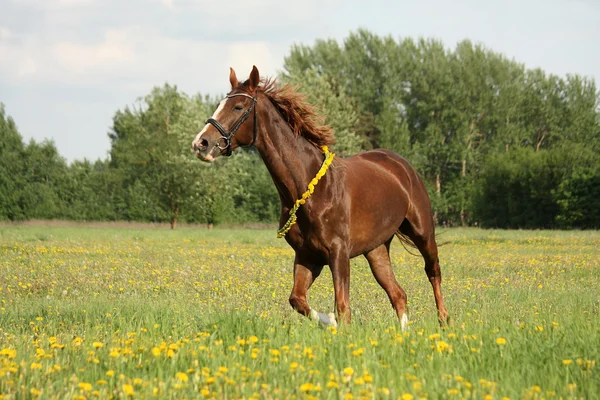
(406, 241)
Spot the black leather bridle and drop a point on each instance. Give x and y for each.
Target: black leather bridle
(227, 135)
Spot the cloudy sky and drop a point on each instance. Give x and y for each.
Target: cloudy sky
(66, 66)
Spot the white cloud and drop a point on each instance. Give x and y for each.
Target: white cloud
(78, 58)
(167, 3)
(5, 33)
(27, 68)
(243, 55)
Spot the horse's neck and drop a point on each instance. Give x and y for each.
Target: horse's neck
(292, 161)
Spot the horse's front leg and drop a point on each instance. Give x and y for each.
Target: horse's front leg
(305, 273)
(339, 263)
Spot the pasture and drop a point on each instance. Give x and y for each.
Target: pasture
(141, 313)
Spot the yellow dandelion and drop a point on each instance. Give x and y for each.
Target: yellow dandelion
(407, 396)
(86, 387)
(98, 345)
(567, 362)
(10, 353)
(110, 373)
(128, 389)
(305, 387)
(182, 376)
(500, 341)
(348, 371)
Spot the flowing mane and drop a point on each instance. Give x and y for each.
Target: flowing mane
(302, 117)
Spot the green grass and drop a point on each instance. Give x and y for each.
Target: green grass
(193, 313)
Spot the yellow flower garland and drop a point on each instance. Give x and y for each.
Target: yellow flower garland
(311, 188)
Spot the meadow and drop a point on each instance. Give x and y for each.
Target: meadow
(153, 313)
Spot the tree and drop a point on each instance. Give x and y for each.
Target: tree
(11, 168)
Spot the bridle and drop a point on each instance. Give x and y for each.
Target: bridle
(225, 135)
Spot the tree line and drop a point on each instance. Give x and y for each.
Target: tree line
(498, 145)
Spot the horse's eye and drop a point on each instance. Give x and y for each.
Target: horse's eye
(238, 108)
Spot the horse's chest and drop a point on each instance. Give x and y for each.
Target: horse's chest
(307, 242)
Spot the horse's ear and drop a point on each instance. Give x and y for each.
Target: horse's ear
(254, 78)
(233, 78)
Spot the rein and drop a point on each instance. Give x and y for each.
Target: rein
(227, 135)
(311, 188)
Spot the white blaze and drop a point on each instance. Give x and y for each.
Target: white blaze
(215, 116)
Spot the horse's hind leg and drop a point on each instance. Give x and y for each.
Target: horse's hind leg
(379, 260)
(423, 236)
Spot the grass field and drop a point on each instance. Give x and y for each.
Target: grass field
(91, 312)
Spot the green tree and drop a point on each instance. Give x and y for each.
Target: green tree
(12, 177)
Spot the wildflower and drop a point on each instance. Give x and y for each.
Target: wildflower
(98, 345)
(407, 396)
(110, 373)
(348, 371)
(442, 346)
(36, 366)
(86, 387)
(567, 362)
(359, 381)
(10, 353)
(500, 341)
(182, 376)
(128, 389)
(305, 387)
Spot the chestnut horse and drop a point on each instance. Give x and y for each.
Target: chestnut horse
(357, 207)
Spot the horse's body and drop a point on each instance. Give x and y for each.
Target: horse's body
(357, 208)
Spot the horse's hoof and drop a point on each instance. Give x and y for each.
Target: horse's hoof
(322, 319)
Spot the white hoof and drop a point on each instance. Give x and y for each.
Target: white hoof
(404, 322)
(322, 319)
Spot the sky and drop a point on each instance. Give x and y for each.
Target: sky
(66, 66)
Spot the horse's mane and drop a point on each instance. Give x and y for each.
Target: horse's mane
(301, 117)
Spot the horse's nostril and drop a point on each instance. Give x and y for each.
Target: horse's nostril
(201, 145)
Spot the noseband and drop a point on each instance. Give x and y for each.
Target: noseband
(225, 135)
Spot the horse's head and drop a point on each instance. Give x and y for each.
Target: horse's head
(234, 122)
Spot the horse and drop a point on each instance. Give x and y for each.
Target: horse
(357, 204)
